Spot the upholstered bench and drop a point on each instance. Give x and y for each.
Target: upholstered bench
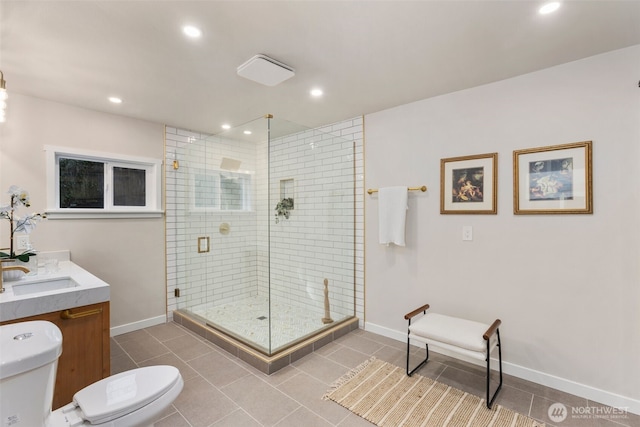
(472, 339)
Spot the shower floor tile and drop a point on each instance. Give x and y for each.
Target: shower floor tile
(251, 319)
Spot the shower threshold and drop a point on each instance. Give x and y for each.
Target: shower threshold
(267, 364)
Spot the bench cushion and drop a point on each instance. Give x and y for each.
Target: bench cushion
(456, 332)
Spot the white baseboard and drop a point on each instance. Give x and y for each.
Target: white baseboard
(130, 327)
(548, 380)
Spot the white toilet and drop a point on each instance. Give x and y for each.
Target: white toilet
(29, 354)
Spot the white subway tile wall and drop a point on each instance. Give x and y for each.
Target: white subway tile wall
(323, 238)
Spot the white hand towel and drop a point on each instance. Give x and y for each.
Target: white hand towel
(392, 215)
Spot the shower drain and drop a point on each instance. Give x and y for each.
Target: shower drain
(261, 317)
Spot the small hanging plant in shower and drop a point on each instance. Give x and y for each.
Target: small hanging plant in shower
(283, 207)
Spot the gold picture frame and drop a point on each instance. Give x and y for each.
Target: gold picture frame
(469, 184)
(553, 180)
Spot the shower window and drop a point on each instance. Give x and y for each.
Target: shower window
(220, 190)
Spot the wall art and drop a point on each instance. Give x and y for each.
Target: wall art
(553, 180)
(469, 184)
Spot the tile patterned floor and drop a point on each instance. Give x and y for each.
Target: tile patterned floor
(223, 391)
(249, 318)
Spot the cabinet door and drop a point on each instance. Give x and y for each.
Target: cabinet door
(85, 348)
(82, 341)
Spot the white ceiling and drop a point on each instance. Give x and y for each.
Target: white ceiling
(366, 55)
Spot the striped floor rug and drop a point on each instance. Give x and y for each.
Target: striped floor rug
(384, 395)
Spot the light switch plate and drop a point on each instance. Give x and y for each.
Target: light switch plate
(467, 232)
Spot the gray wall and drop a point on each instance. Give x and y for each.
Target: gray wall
(565, 286)
(126, 253)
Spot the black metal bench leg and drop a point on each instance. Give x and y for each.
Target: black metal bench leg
(421, 364)
(490, 401)
(409, 373)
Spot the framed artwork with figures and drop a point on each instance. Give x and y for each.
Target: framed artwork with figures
(469, 184)
(553, 180)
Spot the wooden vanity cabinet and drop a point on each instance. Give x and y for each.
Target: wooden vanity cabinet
(85, 355)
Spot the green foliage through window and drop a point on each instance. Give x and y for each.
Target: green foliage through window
(81, 184)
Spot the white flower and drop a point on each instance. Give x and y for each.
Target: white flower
(4, 211)
(19, 196)
(26, 224)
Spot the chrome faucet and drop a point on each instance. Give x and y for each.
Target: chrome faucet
(13, 267)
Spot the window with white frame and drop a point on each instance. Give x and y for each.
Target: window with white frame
(83, 184)
(214, 190)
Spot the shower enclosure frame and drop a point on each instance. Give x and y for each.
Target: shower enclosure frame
(354, 137)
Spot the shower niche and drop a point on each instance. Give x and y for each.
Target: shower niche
(265, 285)
(287, 192)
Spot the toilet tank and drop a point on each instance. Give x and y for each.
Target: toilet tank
(28, 361)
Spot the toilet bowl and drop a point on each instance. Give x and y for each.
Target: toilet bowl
(28, 363)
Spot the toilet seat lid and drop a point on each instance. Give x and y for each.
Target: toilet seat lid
(125, 392)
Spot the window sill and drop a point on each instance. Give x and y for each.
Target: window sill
(93, 214)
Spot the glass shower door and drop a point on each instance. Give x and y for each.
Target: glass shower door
(311, 232)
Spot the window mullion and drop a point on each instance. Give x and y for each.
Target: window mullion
(56, 178)
(108, 185)
(220, 198)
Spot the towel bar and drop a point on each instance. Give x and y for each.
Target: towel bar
(423, 189)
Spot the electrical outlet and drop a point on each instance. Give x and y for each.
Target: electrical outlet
(22, 242)
(467, 232)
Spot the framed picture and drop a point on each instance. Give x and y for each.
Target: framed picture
(469, 185)
(553, 180)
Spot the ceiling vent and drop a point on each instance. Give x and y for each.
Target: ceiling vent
(264, 70)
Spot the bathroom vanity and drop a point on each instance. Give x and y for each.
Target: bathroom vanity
(78, 303)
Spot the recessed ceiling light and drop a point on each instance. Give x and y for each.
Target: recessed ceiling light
(247, 132)
(316, 92)
(191, 31)
(226, 126)
(115, 100)
(549, 8)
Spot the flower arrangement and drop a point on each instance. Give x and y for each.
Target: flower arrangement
(283, 207)
(25, 224)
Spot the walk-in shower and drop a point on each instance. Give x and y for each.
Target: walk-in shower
(263, 223)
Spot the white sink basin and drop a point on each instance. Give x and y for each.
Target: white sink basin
(68, 287)
(44, 285)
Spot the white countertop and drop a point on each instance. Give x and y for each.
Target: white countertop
(92, 290)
